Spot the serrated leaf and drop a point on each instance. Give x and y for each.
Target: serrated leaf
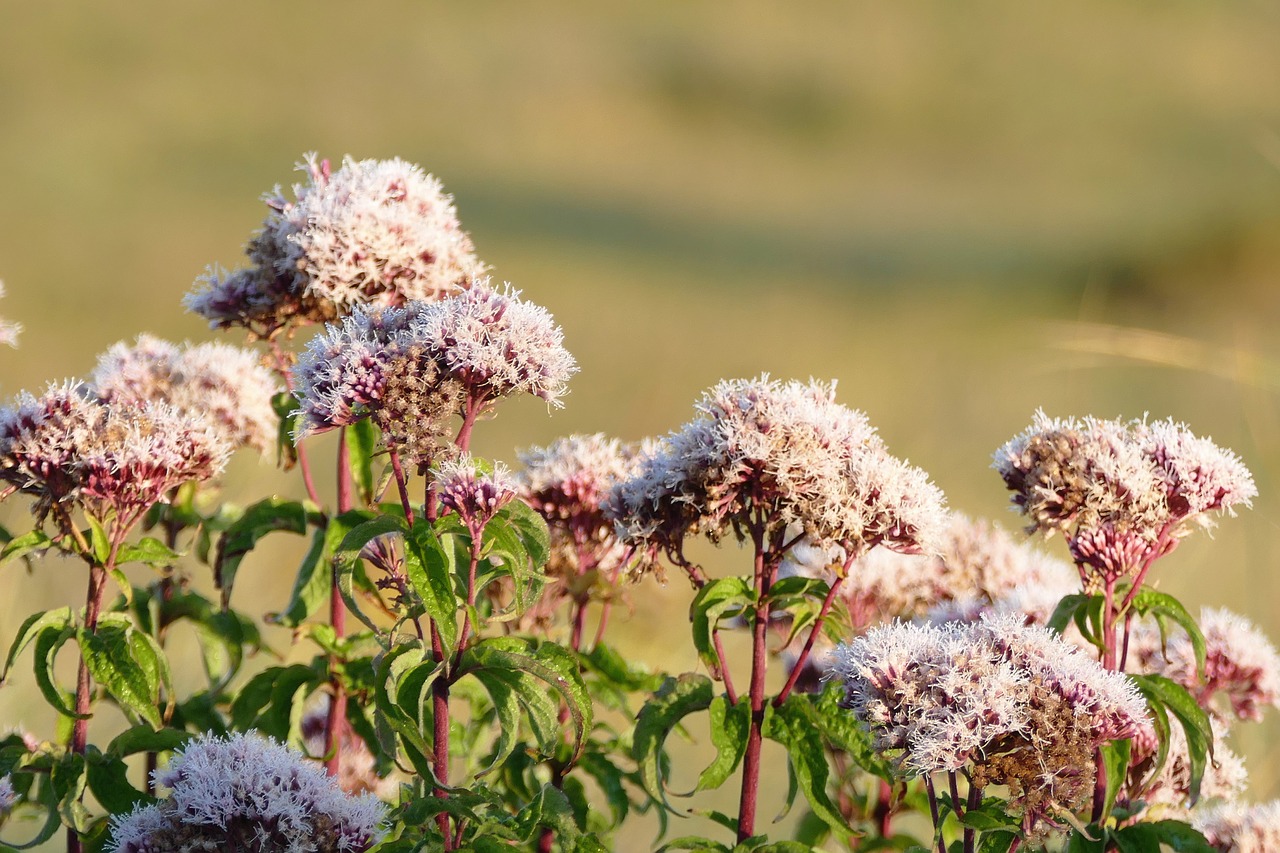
(21, 546)
(108, 779)
(362, 442)
(1115, 759)
(676, 699)
(730, 726)
(109, 657)
(532, 530)
(716, 600)
(311, 586)
(845, 733)
(794, 725)
(144, 739)
(507, 708)
(427, 568)
(1194, 720)
(243, 534)
(49, 642)
(30, 629)
(148, 550)
(1150, 601)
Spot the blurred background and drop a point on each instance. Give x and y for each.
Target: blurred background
(962, 213)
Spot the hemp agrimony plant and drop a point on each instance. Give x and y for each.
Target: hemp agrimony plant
(934, 683)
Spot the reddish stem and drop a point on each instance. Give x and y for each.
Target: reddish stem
(764, 571)
(808, 646)
(402, 485)
(336, 719)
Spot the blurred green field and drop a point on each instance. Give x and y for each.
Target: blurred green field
(961, 212)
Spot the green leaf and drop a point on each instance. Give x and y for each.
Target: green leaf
(144, 739)
(532, 530)
(362, 442)
(110, 658)
(1115, 758)
(794, 724)
(843, 731)
(99, 542)
(25, 544)
(676, 699)
(723, 597)
(1177, 836)
(730, 725)
(68, 779)
(108, 778)
(1161, 604)
(347, 557)
(311, 586)
(695, 843)
(507, 707)
(1079, 844)
(1194, 720)
(547, 662)
(427, 568)
(1065, 612)
(242, 535)
(286, 408)
(150, 551)
(267, 701)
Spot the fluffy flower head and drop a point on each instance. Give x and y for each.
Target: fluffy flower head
(246, 792)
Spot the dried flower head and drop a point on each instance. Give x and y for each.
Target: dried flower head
(784, 456)
(245, 792)
(8, 331)
(414, 369)
(1012, 704)
(377, 232)
(1122, 493)
(227, 385)
(68, 445)
(1241, 828)
(1242, 668)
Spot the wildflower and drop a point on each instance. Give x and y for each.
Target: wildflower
(414, 369)
(784, 456)
(1225, 777)
(1122, 493)
(67, 445)
(476, 497)
(227, 385)
(1241, 828)
(1242, 668)
(1010, 704)
(8, 331)
(375, 232)
(245, 792)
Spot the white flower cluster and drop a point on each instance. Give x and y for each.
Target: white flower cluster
(375, 232)
(470, 349)
(1241, 828)
(245, 792)
(124, 457)
(1012, 704)
(784, 455)
(227, 385)
(1121, 492)
(1242, 667)
(8, 797)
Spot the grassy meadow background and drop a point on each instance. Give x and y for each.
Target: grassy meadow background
(962, 212)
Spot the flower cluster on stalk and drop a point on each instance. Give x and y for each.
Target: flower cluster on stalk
(68, 446)
(414, 369)
(782, 455)
(375, 232)
(1122, 492)
(1005, 703)
(476, 496)
(567, 482)
(245, 792)
(227, 385)
(1241, 828)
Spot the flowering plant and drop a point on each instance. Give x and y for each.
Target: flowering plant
(935, 682)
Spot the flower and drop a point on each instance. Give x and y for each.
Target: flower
(8, 797)
(1225, 776)
(376, 232)
(357, 773)
(68, 445)
(1122, 493)
(413, 369)
(782, 455)
(475, 496)
(226, 384)
(1012, 704)
(245, 792)
(1241, 828)
(1242, 667)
